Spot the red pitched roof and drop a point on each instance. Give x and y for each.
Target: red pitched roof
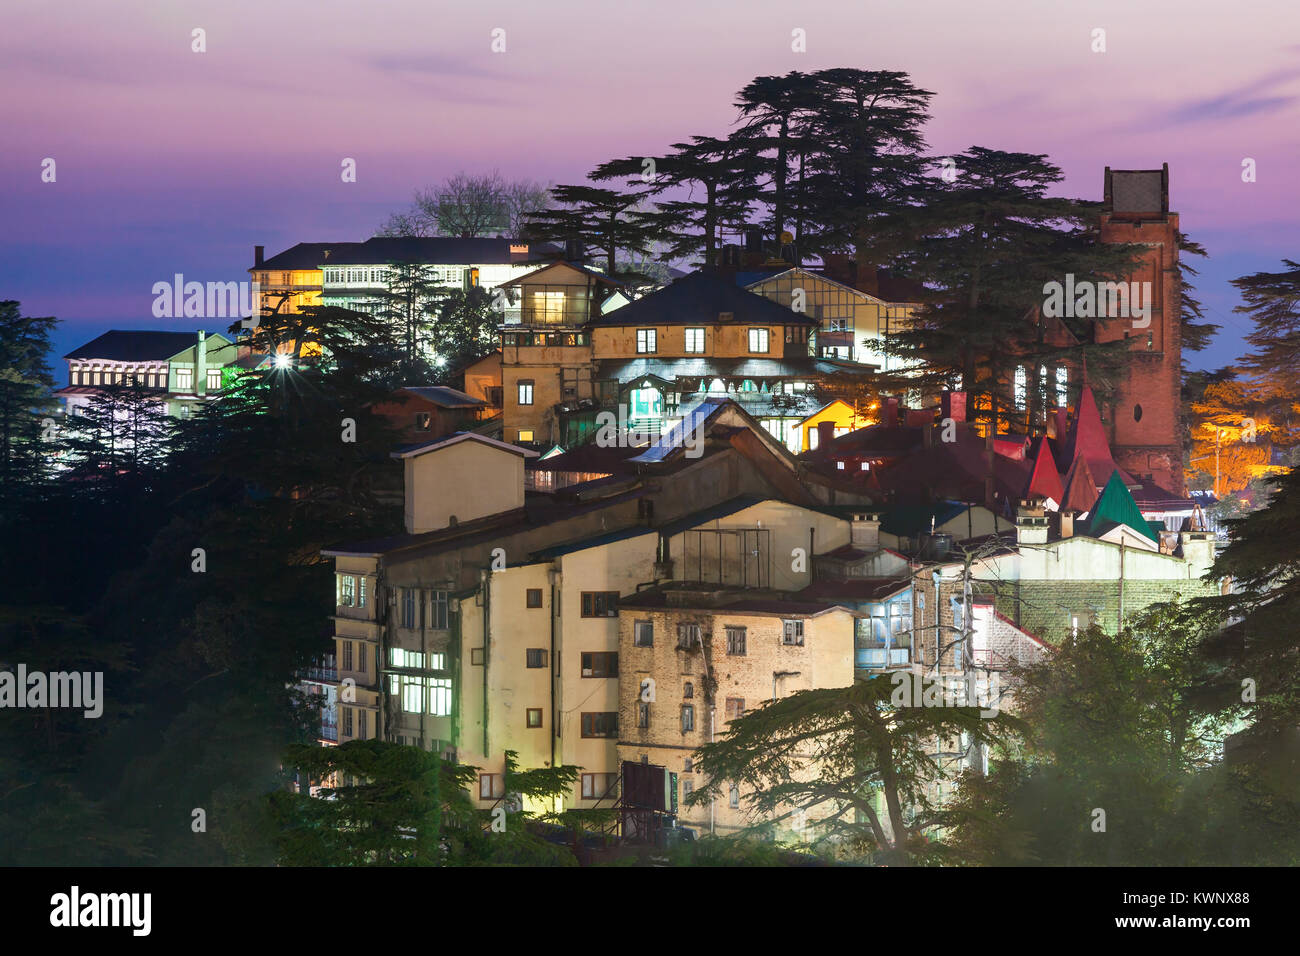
(1045, 481)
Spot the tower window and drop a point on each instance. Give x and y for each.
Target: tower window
(1137, 413)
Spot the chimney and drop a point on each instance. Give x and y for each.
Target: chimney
(754, 240)
(864, 532)
(574, 251)
(201, 364)
(953, 406)
(1031, 523)
(259, 254)
(890, 417)
(825, 435)
(1067, 524)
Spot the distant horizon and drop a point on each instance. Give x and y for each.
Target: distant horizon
(173, 161)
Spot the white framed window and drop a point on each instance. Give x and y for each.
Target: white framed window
(347, 590)
(758, 340)
(185, 380)
(645, 340)
(792, 633)
(695, 340)
(526, 392)
(214, 380)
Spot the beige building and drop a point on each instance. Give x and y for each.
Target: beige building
(692, 661)
(492, 622)
(546, 357)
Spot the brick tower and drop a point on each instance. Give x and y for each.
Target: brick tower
(1143, 422)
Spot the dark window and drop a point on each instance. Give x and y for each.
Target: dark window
(735, 707)
(1137, 413)
(423, 420)
(644, 635)
(600, 604)
(688, 719)
(408, 607)
(476, 656)
(643, 714)
(534, 717)
(534, 597)
(600, 724)
(736, 641)
(438, 610)
(600, 664)
(537, 656)
(688, 691)
(792, 632)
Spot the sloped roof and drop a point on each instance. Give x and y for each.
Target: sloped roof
(441, 250)
(1045, 480)
(132, 345)
(420, 448)
(1117, 506)
(442, 396)
(308, 255)
(700, 299)
(1081, 490)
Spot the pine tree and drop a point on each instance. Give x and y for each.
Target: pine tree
(603, 220)
(1272, 300)
(991, 241)
(28, 420)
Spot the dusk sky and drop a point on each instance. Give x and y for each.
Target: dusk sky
(173, 161)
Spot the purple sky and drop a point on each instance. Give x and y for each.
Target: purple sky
(172, 161)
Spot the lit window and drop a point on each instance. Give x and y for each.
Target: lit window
(758, 340)
(214, 380)
(185, 380)
(526, 392)
(491, 786)
(694, 340)
(645, 340)
(347, 590)
(1021, 386)
(525, 434)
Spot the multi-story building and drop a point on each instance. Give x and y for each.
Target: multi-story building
(546, 353)
(851, 324)
(492, 623)
(182, 369)
(702, 336)
(356, 276)
(291, 280)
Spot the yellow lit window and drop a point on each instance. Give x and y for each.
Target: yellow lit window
(525, 434)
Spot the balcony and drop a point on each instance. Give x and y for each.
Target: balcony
(879, 658)
(326, 675)
(329, 731)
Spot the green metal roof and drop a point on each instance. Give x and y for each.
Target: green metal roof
(1117, 505)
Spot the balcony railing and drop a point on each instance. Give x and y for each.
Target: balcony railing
(325, 674)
